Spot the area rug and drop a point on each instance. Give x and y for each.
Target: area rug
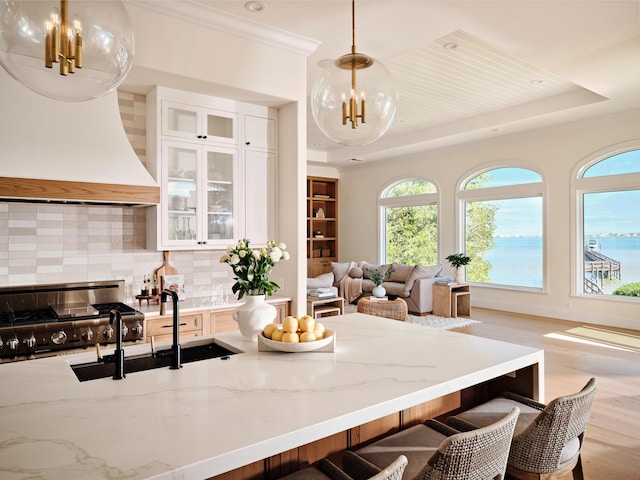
(431, 321)
(441, 323)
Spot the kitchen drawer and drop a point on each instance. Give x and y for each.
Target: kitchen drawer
(162, 328)
(222, 322)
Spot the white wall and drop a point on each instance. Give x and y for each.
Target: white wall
(553, 152)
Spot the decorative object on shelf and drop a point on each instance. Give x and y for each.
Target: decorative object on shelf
(457, 261)
(320, 213)
(368, 107)
(31, 32)
(252, 268)
(378, 277)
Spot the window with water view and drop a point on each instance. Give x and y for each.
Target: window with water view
(610, 195)
(503, 227)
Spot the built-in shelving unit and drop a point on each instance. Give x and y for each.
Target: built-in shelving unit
(322, 224)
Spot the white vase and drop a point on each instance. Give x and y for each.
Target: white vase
(253, 315)
(460, 275)
(379, 291)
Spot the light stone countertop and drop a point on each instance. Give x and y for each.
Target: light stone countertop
(216, 415)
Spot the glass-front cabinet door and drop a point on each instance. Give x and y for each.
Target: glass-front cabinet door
(181, 205)
(195, 123)
(221, 197)
(200, 194)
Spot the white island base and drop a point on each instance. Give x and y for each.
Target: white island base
(255, 415)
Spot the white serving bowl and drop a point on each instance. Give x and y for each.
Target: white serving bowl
(297, 347)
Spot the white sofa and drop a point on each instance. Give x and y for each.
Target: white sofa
(413, 283)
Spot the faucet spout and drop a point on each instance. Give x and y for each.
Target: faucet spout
(118, 355)
(176, 351)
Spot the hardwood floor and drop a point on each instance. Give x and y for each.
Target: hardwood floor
(612, 447)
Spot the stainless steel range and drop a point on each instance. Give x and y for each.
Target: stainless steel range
(45, 320)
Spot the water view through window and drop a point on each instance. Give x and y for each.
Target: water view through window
(611, 241)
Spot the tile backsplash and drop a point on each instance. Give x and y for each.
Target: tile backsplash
(46, 243)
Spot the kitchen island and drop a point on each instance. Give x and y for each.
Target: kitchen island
(214, 416)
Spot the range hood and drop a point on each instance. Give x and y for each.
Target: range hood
(67, 152)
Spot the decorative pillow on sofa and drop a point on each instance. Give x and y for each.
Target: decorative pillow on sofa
(321, 281)
(339, 271)
(400, 272)
(355, 272)
(421, 271)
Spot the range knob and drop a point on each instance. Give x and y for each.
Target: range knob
(125, 330)
(88, 335)
(13, 343)
(108, 333)
(30, 342)
(1, 343)
(137, 329)
(59, 337)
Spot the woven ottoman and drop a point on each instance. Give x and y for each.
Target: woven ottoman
(393, 309)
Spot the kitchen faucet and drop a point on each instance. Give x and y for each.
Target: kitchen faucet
(118, 354)
(175, 348)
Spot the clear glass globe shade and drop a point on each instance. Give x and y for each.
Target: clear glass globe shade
(333, 86)
(108, 45)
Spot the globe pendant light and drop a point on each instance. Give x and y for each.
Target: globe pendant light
(354, 100)
(71, 50)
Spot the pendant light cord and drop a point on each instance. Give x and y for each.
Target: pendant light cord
(353, 26)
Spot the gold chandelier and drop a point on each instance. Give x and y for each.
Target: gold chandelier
(63, 41)
(354, 61)
(354, 90)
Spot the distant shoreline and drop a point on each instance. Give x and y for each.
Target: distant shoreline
(599, 235)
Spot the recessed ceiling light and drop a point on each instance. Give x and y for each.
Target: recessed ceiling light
(355, 159)
(535, 81)
(254, 6)
(325, 62)
(450, 45)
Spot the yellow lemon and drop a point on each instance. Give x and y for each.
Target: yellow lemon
(327, 333)
(290, 337)
(276, 335)
(290, 324)
(307, 323)
(308, 337)
(269, 329)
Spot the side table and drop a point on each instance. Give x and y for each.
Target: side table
(324, 307)
(393, 309)
(451, 300)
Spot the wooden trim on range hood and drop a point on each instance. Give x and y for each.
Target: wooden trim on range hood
(26, 189)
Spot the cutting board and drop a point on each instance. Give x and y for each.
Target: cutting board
(165, 269)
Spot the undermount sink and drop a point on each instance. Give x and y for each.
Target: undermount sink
(162, 358)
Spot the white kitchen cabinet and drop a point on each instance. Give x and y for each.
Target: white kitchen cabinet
(191, 123)
(201, 190)
(260, 133)
(214, 188)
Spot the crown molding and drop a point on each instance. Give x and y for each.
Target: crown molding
(197, 12)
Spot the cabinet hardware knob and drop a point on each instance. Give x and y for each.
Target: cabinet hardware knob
(247, 143)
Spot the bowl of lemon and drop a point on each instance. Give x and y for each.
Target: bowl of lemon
(296, 334)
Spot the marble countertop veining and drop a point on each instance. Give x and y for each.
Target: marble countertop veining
(212, 416)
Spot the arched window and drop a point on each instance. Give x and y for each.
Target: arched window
(608, 201)
(409, 220)
(502, 227)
